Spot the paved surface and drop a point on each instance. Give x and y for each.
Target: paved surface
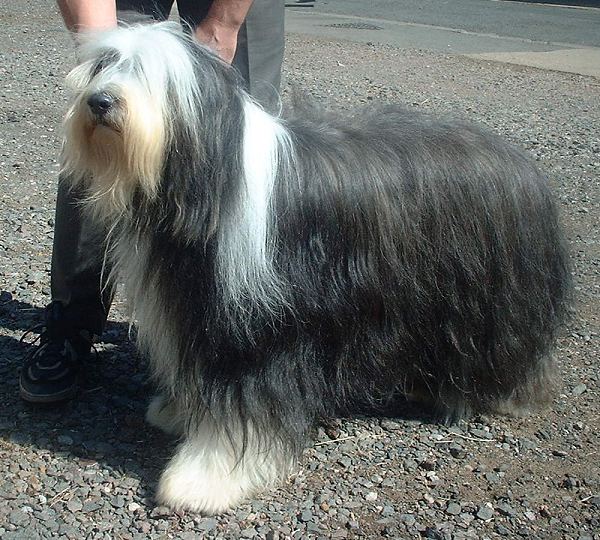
(528, 21)
(542, 36)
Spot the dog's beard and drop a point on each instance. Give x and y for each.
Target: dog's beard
(116, 155)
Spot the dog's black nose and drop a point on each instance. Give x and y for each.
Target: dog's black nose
(100, 103)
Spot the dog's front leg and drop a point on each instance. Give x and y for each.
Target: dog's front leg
(214, 469)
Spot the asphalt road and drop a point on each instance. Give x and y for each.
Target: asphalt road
(525, 20)
(539, 35)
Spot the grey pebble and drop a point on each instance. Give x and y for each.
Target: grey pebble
(481, 433)
(74, 505)
(18, 518)
(305, 516)
(20, 534)
(506, 509)
(160, 512)
(91, 506)
(389, 482)
(117, 501)
(408, 519)
(457, 451)
(390, 425)
(345, 461)
(207, 524)
(187, 535)
(313, 527)
(387, 511)
(501, 530)
(410, 464)
(453, 509)
(527, 444)
(491, 477)
(595, 501)
(432, 533)
(485, 513)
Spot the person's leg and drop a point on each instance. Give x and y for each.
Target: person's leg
(51, 372)
(77, 269)
(259, 53)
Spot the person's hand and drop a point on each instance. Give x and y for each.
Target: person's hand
(219, 36)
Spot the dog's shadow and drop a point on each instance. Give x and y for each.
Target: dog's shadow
(104, 426)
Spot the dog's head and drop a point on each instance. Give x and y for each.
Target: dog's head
(138, 91)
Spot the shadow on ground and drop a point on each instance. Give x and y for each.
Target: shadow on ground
(105, 423)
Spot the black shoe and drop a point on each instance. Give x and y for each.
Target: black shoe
(51, 372)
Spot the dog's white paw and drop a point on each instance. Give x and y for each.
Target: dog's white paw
(206, 475)
(194, 485)
(163, 414)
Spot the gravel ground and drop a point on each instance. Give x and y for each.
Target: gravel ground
(88, 469)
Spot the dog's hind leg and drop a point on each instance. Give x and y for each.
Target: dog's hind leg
(535, 391)
(214, 470)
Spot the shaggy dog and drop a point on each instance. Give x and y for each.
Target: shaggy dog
(282, 270)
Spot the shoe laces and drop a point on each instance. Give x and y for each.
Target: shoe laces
(52, 344)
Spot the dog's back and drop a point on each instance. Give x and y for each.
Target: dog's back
(426, 253)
